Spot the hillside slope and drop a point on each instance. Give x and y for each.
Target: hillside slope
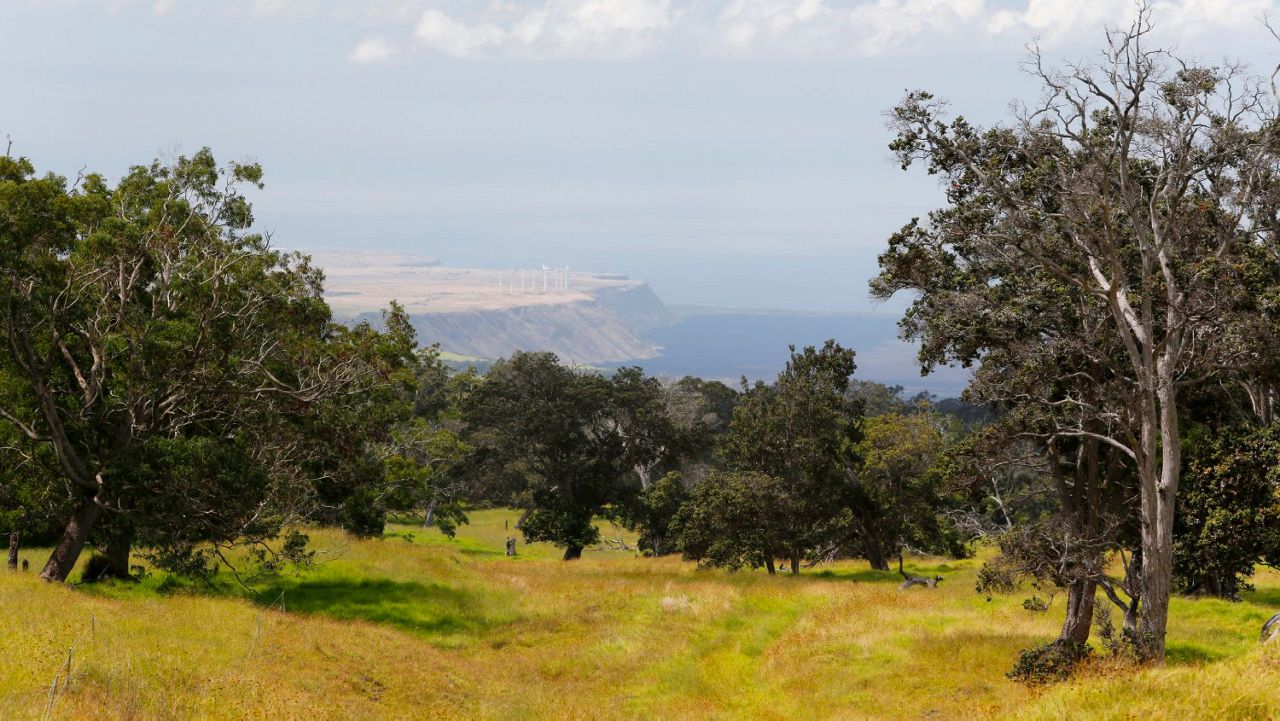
(415, 625)
(599, 330)
(582, 317)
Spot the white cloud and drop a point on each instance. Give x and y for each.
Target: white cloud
(283, 7)
(440, 32)
(372, 51)
(572, 28)
(621, 29)
(1062, 21)
(362, 11)
(628, 28)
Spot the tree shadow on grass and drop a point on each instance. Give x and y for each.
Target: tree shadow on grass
(1189, 653)
(472, 551)
(1266, 597)
(432, 610)
(866, 575)
(873, 576)
(467, 547)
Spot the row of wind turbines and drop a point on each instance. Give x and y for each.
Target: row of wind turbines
(525, 281)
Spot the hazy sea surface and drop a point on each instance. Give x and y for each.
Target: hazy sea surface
(727, 345)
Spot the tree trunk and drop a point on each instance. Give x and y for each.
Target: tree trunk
(13, 550)
(1080, 598)
(572, 553)
(67, 552)
(873, 544)
(1158, 495)
(117, 555)
(795, 564)
(876, 556)
(524, 516)
(430, 515)
(1133, 583)
(1262, 398)
(768, 565)
(1157, 582)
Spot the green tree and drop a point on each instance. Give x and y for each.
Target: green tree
(897, 501)
(432, 396)
(1229, 509)
(653, 511)
(739, 519)
(565, 442)
(419, 459)
(330, 442)
(642, 416)
(878, 398)
(701, 411)
(148, 327)
(29, 505)
(800, 431)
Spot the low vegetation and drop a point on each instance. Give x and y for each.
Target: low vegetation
(419, 625)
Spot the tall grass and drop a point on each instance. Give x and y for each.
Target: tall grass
(416, 625)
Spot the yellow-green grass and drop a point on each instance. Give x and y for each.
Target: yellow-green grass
(416, 625)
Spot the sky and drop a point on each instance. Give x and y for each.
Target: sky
(729, 152)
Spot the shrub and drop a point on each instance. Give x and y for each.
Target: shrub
(1050, 662)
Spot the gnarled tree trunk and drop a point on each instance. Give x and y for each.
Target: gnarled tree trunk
(67, 552)
(874, 546)
(1080, 601)
(876, 555)
(14, 539)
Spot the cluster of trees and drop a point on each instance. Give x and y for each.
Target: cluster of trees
(1108, 262)
(795, 470)
(808, 476)
(174, 387)
(567, 445)
(172, 384)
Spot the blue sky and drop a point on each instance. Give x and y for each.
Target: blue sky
(731, 152)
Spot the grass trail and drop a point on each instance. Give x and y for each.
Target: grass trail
(417, 625)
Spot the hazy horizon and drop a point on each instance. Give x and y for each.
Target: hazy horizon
(730, 153)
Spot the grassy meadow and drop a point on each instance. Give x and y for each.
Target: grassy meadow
(416, 625)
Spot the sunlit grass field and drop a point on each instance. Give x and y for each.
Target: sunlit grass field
(416, 625)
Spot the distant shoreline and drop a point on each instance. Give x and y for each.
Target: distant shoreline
(687, 311)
